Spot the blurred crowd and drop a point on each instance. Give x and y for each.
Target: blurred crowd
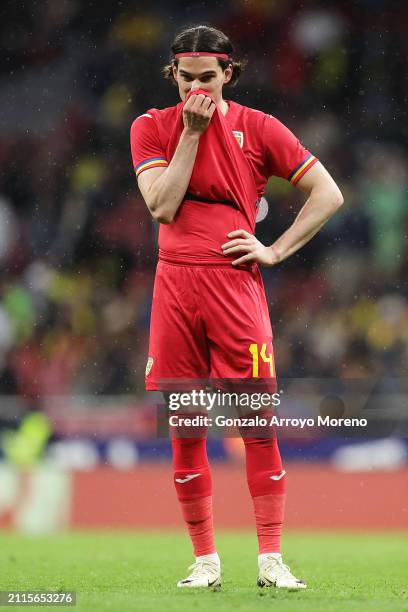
(77, 245)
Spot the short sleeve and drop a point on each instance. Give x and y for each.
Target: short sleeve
(285, 156)
(146, 148)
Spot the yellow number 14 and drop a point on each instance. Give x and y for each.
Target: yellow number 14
(256, 353)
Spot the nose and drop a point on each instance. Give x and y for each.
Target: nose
(195, 85)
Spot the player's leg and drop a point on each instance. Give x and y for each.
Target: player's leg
(267, 485)
(178, 359)
(242, 360)
(192, 479)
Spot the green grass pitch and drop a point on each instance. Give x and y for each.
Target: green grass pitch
(138, 571)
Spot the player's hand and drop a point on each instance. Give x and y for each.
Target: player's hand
(197, 113)
(256, 252)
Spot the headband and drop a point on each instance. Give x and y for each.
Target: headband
(223, 56)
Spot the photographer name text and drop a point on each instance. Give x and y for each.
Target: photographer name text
(260, 421)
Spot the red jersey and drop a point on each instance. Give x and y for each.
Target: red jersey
(236, 156)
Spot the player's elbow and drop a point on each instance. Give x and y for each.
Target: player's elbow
(338, 199)
(337, 202)
(334, 198)
(165, 219)
(161, 215)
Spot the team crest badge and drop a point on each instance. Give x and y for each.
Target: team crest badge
(240, 137)
(149, 366)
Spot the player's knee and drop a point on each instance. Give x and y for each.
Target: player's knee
(189, 453)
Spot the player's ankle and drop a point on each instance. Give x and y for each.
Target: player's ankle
(262, 556)
(213, 557)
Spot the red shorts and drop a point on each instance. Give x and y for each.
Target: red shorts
(209, 325)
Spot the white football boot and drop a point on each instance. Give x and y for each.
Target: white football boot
(273, 572)
(205, 573)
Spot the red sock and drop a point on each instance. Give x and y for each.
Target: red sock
(198, 516)
(269, 512)
(192, 478)
(263, 460)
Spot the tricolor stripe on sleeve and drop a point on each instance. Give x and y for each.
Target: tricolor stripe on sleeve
(152, 162)
(302, 169)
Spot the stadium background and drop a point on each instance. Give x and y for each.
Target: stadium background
(78, 252)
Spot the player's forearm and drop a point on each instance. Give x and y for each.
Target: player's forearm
(317, 210)
(168, 191)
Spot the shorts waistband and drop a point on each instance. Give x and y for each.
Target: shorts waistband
(178, 259)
